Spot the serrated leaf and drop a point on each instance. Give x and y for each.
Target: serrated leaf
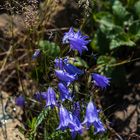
(49, 48)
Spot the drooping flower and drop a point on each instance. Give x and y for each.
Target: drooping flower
(99, 128)
(36, 54)
(64, 118)
(71, 69)
(92, 118)
(75, 125)
(100, 80)
(64, 92)
(76, 40)
(20, 101)
(64, 76)
(50, 97)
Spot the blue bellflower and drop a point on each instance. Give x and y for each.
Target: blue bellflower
(64, 92)
(20, 101)
(71, 69)
(67, 120)
(75, 125)
(64, 76)
(64, 118)
(100, 80)
(50, 97)
(76, 40)
(92, 118)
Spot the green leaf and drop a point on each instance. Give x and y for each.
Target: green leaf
(121, 40)
(137, 8)
(49, 48)
(119, 10)
(40, 119)
(134, 30)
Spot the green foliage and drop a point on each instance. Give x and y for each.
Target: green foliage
(119, 10)
(117, 25)
(35, 122)
(105, 64)
(49, 48)
(137, 8)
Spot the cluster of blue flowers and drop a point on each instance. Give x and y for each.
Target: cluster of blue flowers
(67, 73)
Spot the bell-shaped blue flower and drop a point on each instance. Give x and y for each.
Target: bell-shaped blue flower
(92, 118)
(64, 118)
(99, 128)
(50, 97)
(20, 101)
(76, 40)
(100, 80)
(71, 69)
(75, 125)
(64, 76)
(64, 92)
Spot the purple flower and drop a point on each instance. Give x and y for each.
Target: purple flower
(71, 69)
(76, 109)
(99, 128)
(64, 76)
(50, 97)
(92, 118)
(100, 80)
(67, 120)
(59, 63)
(36, 54)
(64, 92)
(75, 125)
(20, 101)
(67, 35)
(64, 118)
(77, 40)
